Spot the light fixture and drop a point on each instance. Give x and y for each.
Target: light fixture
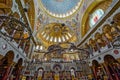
(61, 50)
(37, 47)
(15, 26)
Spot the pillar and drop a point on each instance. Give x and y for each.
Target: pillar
(115, 74)
(7, 72)
(107, 71)
(94, 72)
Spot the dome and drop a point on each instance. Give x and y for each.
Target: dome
(56, 32)
(60, 8)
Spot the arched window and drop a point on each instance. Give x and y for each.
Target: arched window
(95, 16)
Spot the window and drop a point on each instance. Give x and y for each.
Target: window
(95, 16)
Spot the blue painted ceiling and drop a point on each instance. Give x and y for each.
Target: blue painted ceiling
(59, 6)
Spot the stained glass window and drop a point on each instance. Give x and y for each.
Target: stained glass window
(95, 16)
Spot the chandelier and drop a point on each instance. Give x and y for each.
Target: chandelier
(11, 26)
(58, 49)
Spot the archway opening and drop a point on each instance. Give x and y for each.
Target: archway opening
(72, 71)
(5, 65)
(40, 73)
(97, 70)
(17, 69)
(112, 66)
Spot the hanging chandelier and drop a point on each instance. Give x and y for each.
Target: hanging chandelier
(59, 50)
(11, 26)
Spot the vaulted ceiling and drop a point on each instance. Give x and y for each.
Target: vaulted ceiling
(57, 21)
(57, 17)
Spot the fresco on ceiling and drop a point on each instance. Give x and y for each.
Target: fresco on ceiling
(42, 18)
(73, 23)
(59, 6)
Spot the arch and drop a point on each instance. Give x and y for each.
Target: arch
(40, 68)
(57, 67)
(95, 63)
(40, 72)
(91, 8)
(97, 70)
(73, 68)
(116, 18)
(20, 62)
(112, 66)
(109, 58)
(18, 65)
(17, 69)
(5, 64)
(9, 53)
(95, 16)
(86, 15)
(10, 56)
